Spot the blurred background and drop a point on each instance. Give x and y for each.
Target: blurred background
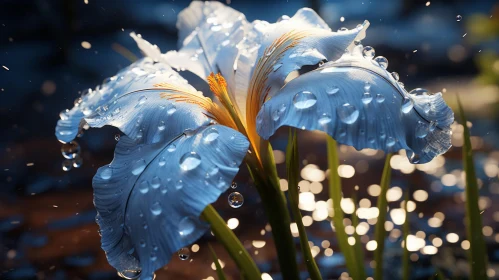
(52, 50)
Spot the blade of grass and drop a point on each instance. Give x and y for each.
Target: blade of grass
(292, 170)
(380, 232)
(220, 272)
(405, 233)
(359, 251)
(353, 265)
(477, 257)
(233, 246)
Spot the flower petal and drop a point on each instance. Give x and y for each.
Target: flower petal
(141, 115)
(333, 99)
(151, 195)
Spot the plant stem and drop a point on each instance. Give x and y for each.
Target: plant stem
(405, 256)
(232, 244)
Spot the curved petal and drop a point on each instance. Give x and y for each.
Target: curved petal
(126, 101)
(151, 195)
(275, 50)
(359, 103)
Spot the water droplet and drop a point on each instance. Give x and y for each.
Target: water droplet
(348, 113)
(236, 200)
(324, 119)
(171, 148)
(144, 187)
(419, 91)
(368, 52)
(380, 98)
(276, 115)
(106, 173)
(427, 108)
(153, 257)
(421, 129)
(407, 105)
(70, 150)
(186, 226)
(390, 142)
(233, 185)
(183, 253)
(433, 125)
(367, 98)
(342, 29)
(138, 167)
(162, 161)
(171, 110)
(77, 162)
(155, 182)
(129, 274)
(395, 76)
(332, 90)
(304, 100)
(210, 135)
(459, 18)
(67, 164)
(179, 185)
(64, 115)
(117, 137)
(163, 189)
(382, 61)
(190, 161)
(156, 208)
(86, 111)
(401, 84)
(367, 86)
(142, 243)
(161, 126)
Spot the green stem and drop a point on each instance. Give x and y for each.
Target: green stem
(405, 256)
(220, 272)
(232, 244)
(380, 232)
(359, 252)
(292, 170)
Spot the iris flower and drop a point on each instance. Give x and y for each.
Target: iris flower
(182, 148)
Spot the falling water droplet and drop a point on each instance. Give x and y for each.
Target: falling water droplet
(459, 18)
(304, 100)
(413, 157)
(407, 105)
(210, 135)
(421, 129)
(324, 119)
(233, 185)
(382, 61)
(186, 226)
(380, 98)
(67, 164)
(236, 200)
(183, 253)
(190, 161)
(395, 76)
(129, 274)
(348, 113)
(155, 182)
(70, 150)
(367, 97)
(368, 52)
(138, 167)
(77, 162)
(333, 90)
(156, 208)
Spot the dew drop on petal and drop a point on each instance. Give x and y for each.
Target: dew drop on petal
(106, 173)
(276, 115)
(236, 200)
(153, 257)
(156, 208)
(67, 164)
(368, 52)
(70, 150)
(155, 182)
(142, 243)
(419, 91)
(138, 166)
(129, 274)
(367, 86)
(64, 115)
(179, 185)
(427, 108)
(186, 226)
(333, 90)
(161, 126)
(380, 98)
(190, 161)
(324, 119)
(141, 101)
(184, 253)
(304, 100)
(395, 76)
(348, 113)
(144, 187)
(162, 161)
(367, 97)
(390, 142)
(382, 61)
(433, 125)
(407, 105)
(171, 148)
(421, 129)
(210, 135)
(171, 110)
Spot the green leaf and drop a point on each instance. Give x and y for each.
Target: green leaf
(220, 272)
(359, 251)
(405, 233)
(292, 170)
(380, 232)
(477, 257)
(353, 266)
(233, 246)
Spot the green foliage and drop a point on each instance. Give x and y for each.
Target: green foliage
(220, 273)
(405, 233)
(293, 171)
